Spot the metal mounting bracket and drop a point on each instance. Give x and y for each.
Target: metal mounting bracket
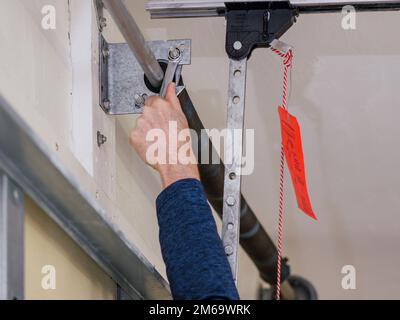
(123, 87)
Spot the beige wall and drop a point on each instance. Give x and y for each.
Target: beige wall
(77, 275)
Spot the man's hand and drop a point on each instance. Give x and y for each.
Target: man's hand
(158, 114)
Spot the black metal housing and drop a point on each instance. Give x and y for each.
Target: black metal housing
(253, 25)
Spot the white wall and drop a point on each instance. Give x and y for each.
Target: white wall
(82, 135)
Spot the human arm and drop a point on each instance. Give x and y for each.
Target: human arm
(197, 266)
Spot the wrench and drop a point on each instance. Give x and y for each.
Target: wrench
(174, 69)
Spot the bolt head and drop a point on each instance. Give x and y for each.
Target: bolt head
(103, 22)
(101, 139)
(237, 45)
(16, 195)
(106, 104)
(174, 53)
(106, 52)
(230, 201)
(228, 250)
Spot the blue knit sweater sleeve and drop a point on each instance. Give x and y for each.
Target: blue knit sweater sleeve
(197, 267)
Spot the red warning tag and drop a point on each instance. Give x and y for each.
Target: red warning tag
(292, 147)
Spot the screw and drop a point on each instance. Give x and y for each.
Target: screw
(106, 104)
(103, 22)
(101, 139)
(16, 195)
(230, 201)
(106, 52)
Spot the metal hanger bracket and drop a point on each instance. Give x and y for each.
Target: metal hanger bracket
(123, 87)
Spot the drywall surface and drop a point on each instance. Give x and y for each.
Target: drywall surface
(55, 267)
(344, 94)
(80, 36)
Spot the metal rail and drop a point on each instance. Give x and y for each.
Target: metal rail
(209, 8)
(136, 41)
(11, 240)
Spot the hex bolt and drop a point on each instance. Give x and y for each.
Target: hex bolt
(101, 139)
(230, 201)
(174, 53)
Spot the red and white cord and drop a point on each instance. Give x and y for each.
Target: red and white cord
(287, 63)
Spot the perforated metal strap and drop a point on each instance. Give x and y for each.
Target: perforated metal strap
(233, 159)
